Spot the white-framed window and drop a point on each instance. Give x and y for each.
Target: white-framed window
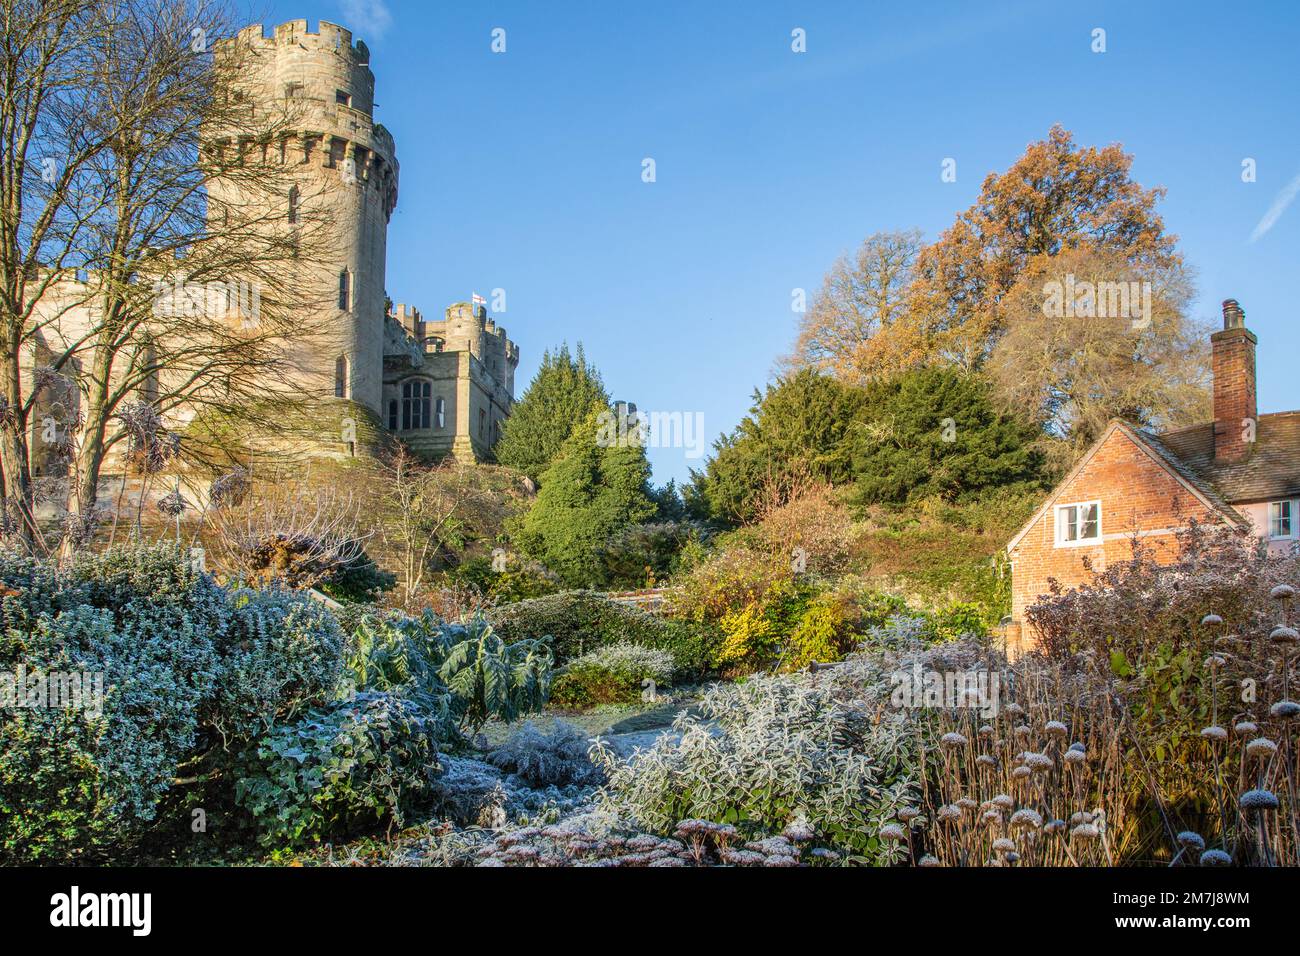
(1078, 523)
(1281, 519)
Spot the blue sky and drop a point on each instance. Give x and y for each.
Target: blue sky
(522, 170)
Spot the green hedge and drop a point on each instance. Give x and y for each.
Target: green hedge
(579, 622)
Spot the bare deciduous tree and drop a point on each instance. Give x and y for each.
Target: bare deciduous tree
(1074, 372)
(858, 327)
(145, 253)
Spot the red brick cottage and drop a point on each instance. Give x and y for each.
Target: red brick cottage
(1241, 468)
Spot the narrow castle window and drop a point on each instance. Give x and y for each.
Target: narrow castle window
(482, 423)
(442, 413)
(416, 399)
(293, 203)
(345, 290)
(341, 377)
(343, 97)
(392, 415)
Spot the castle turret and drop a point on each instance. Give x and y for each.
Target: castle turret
(345, 181)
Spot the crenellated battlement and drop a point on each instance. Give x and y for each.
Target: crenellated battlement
(329, 37)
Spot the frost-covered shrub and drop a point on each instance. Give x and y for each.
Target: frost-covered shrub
(283, 654)
(611, 675)
(900, 631)
(469, 792)
(361, 761)
(765, 754)
(76, 785)
(558, 759)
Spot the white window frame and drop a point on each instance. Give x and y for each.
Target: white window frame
(1059, 516)
(1291, 519)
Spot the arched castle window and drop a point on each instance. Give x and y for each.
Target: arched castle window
(341, 377)
(345, 290)
(441, 413)
(293, 203)
(482, 423)
(416, 399)
(392, 415)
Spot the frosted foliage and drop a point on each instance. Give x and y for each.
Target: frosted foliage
(627, 658)
(555, 759)
(768, 753)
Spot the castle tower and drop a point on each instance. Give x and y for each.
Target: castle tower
(344, 176)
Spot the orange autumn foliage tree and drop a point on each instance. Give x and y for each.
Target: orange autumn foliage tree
(1056, 197)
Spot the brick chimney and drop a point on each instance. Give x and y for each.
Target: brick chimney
(1233, 365)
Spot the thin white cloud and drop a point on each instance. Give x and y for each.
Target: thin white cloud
(1285, 198)
(368, 19)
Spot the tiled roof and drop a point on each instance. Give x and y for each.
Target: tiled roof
(1188, 473)
(1271, 471)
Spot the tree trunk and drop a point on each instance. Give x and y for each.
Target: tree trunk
(84, 484)
(15, 461)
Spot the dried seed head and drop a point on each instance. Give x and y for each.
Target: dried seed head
(1004, 845)
(1246, 728)
(950, 812)
(1014, 709)
(1026, 818)
(986, 730)
(1039, 763)
(1054, 826)
(1057, 729)
(928, 861)
(1282, 592)
(1215, 858)
(1210, 620)
(952, 739)
(1261, 748)
(1191, 840)
(907, 814)
(1003, 802)
(1074, 757)
(1284, 636)
(1020, 773)
(1085, 831)
(892, 831)
(1214, 733)
(1258, 800)
(1285, 710)
(985, 760)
